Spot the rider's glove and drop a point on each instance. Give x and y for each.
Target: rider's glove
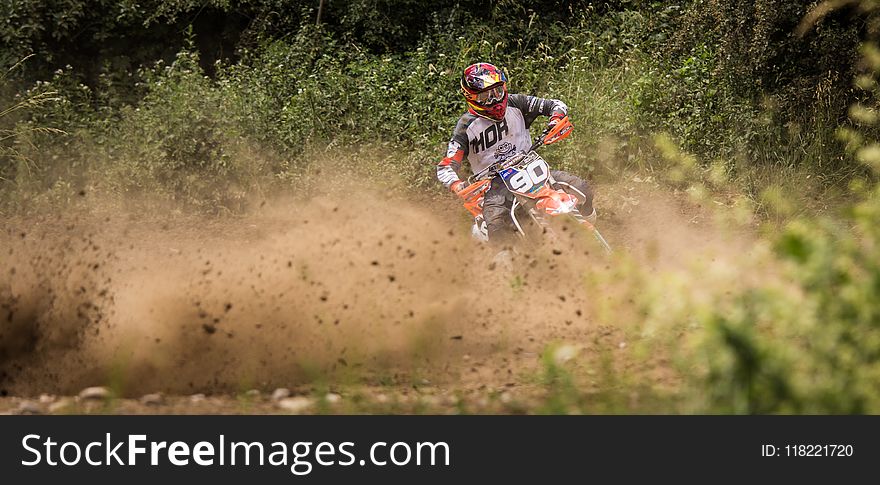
(458, 186)
(554, 120)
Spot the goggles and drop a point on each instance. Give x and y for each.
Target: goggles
(490, 96)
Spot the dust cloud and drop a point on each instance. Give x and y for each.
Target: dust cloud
(348, 286)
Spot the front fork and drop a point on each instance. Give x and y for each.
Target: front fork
(576, 213)
(544, 224)
(529, 204)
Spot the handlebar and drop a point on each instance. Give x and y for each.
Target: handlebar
(492, 170)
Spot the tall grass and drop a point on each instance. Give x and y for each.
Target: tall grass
(13, 134)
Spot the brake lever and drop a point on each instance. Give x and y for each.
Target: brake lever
(539, 141)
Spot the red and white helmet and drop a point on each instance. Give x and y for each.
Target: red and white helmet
(485, 88)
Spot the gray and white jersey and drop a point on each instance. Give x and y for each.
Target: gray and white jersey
(485, 141)
(491, 141)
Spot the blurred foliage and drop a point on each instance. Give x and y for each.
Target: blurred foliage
(801, 338)
(795, 329)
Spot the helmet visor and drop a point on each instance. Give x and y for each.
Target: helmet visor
(491, 95)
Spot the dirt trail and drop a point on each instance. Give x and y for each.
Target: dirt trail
(379, 292)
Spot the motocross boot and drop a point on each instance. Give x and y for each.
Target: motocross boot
(592, 217)
(502, 262)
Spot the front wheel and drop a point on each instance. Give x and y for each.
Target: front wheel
(533, 227)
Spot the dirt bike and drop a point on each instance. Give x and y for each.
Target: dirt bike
(528, 177)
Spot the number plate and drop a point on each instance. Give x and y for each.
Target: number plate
(528, 176)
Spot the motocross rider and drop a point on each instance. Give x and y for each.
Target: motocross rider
(495, 127)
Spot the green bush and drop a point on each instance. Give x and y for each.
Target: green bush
(741, 80)
(179, 142)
